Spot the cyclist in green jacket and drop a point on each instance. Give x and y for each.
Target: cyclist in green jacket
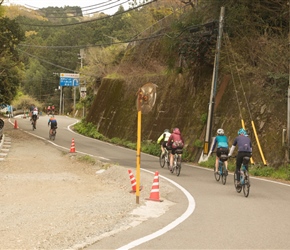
(162, 140)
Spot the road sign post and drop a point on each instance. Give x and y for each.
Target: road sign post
(69, 80)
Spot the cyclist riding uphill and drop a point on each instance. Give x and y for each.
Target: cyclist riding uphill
(34, 116)
(221, 142)
(53, 124)
(244, 149)
(162, 140)
(175, 141)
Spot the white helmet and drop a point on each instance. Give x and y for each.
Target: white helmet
(220, 131)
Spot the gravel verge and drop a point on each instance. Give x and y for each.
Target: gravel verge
(51, 199)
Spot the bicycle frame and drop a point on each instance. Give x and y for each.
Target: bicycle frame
(33, 123)
(177, 161)
(222, 172)
(244, 178)
(165, 159)
(52, 133)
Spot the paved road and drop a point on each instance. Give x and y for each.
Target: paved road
(207, 214)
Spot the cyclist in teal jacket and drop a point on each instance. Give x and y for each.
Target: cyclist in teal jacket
(221, 142)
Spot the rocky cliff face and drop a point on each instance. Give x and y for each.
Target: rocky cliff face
(183, 95)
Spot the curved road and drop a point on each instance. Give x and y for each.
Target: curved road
(216, 218)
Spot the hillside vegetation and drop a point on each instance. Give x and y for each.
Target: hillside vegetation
(170, 43)
(179, 58)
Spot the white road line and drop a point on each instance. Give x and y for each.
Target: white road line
(190, 209)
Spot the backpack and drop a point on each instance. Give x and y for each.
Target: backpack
(178, 144)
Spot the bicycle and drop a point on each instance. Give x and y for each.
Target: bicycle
(244, 178)
(164, 158)
(177, 162)
(222, 172)
(52, 133)
(33, 123)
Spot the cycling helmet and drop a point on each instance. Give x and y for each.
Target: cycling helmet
(220, 131)
(166, 130)
(242, 131)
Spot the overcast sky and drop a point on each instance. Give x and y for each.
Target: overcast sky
(106, 6)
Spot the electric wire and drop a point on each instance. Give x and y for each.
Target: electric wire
(102, 4)
(87, 21)
(43, 60)
(233, 79)
(241, 83)
(89, 46)
(84, 13)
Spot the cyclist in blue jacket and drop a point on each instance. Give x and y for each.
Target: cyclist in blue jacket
(221, 142)
(244, 149)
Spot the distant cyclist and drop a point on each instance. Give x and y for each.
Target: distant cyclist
(175, 142)
(162, 140)
(48, 110)
(52, 109)
(244, 149)
(34, 117)
(221, 142)
(53, 124)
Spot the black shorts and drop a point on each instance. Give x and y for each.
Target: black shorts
(221, 151)
(178, 150)
(34, 117)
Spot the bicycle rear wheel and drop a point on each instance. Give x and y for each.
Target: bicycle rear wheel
(224, 177)
(246, 186)
(178, 165)
(238, 187)
(162, 160)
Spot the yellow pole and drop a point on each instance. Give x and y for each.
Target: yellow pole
(258, 143)
(243, 126)
(138, 158)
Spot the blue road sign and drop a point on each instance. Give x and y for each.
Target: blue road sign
(71, 80)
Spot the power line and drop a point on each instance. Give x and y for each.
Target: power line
(84, 12)
(87, 21)
(90, 46)
(37, 8)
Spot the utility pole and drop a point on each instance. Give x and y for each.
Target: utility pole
(207, 140)
(82, 88)
(288, 99)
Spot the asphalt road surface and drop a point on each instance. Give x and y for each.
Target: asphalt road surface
(208, 215)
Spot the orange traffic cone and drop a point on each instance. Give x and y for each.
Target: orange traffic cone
(15, 124)
(72, 147)
(133, 182)
(154, 195)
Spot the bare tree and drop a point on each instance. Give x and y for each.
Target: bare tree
(192, 3)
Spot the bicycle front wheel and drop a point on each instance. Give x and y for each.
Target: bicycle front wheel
(224, 176)
(162, 160)
(178, 166)
(216, 175)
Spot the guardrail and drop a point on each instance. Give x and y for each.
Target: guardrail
(1, 128)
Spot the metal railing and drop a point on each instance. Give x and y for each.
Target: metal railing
(1, 128)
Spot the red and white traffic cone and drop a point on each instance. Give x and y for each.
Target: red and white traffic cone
(15, 124)
(154, 194)
(72, 147)
(133, 182)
